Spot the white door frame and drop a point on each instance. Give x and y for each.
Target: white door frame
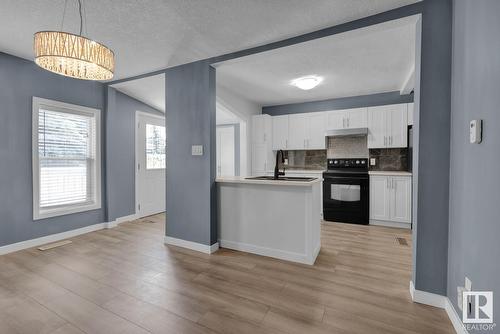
(137, 115)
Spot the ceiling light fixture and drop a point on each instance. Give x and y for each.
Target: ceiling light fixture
(307, 83)
(73, 55)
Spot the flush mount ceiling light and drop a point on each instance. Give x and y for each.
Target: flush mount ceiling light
(306, 83)
(73, 55)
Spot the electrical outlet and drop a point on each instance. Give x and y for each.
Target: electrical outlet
(460, 296)
(468, 287)
(373, 161)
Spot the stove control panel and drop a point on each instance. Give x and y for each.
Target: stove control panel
(347, 163)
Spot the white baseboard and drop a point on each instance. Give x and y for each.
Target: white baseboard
(192, 245)
(427, 298)
(49, 239)
(454, 318)
(264, 251)
(439, 301)
(63, 235)
(389, 224)
(120, 220)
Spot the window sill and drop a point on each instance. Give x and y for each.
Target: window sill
(56, 212)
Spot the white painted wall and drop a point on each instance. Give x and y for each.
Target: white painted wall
(244, 109)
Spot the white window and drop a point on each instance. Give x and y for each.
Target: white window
(66, 158)
(155, 146)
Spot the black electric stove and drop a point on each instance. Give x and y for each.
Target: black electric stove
(346, 191)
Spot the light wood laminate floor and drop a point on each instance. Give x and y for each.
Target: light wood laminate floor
(125, 280)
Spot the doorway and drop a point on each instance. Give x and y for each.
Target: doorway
(150, 155)
(226, 156)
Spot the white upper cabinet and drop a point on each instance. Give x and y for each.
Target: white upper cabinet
(411, 107)
(377, 127)
(280, 132)
(387, 126)
(336, 119)
(357, 118)
(398, 126)
(317, 126)
(262, 154)
(298, 131)
(261, 129)
(347, 119)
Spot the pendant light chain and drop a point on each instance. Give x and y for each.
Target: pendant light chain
(81, 18)
(64, 14)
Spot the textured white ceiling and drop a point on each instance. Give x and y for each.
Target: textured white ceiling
(371, 60)
(149, 90)
(148, 35)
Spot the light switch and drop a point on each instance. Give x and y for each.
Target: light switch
(197, 150)
(475, 131)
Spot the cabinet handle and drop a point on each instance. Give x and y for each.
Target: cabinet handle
(343, 123)
(347, 122)
(286, 143)
(385, 139)
(305, 143)
(264, 137)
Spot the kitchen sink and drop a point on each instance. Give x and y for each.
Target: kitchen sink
(282, 178)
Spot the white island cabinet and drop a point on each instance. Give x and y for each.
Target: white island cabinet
(280, 219)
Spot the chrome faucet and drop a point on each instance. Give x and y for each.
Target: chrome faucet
(277, 172)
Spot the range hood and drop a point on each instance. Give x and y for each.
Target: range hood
(347, 132)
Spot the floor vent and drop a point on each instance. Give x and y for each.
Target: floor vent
(402, 241)
(54, 245)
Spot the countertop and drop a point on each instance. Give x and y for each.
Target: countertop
(299, 171)
(389, 173)
(244, 180)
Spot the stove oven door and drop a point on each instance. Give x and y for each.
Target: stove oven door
(345, 199)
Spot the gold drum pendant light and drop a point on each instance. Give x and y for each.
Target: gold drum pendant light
(73, 55)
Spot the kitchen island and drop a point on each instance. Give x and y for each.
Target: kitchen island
(276, 218)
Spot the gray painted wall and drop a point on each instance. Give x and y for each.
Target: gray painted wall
(20, 80)
(474, 228)
(432, 97)
(339, 103)
(190, 106)
(120, 148)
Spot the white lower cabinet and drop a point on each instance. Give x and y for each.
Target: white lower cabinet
(390, 200)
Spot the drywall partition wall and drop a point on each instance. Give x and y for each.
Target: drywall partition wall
(339, 103)
(474, 250)
(120, 148)
(20, 80)
(245, 110)
(190, 106)
(433, 124)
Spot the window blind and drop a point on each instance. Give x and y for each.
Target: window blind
(67, 164)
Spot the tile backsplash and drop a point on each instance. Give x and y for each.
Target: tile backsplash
(347, 147)
(390, 159)
(306, 159)
(393, 159)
